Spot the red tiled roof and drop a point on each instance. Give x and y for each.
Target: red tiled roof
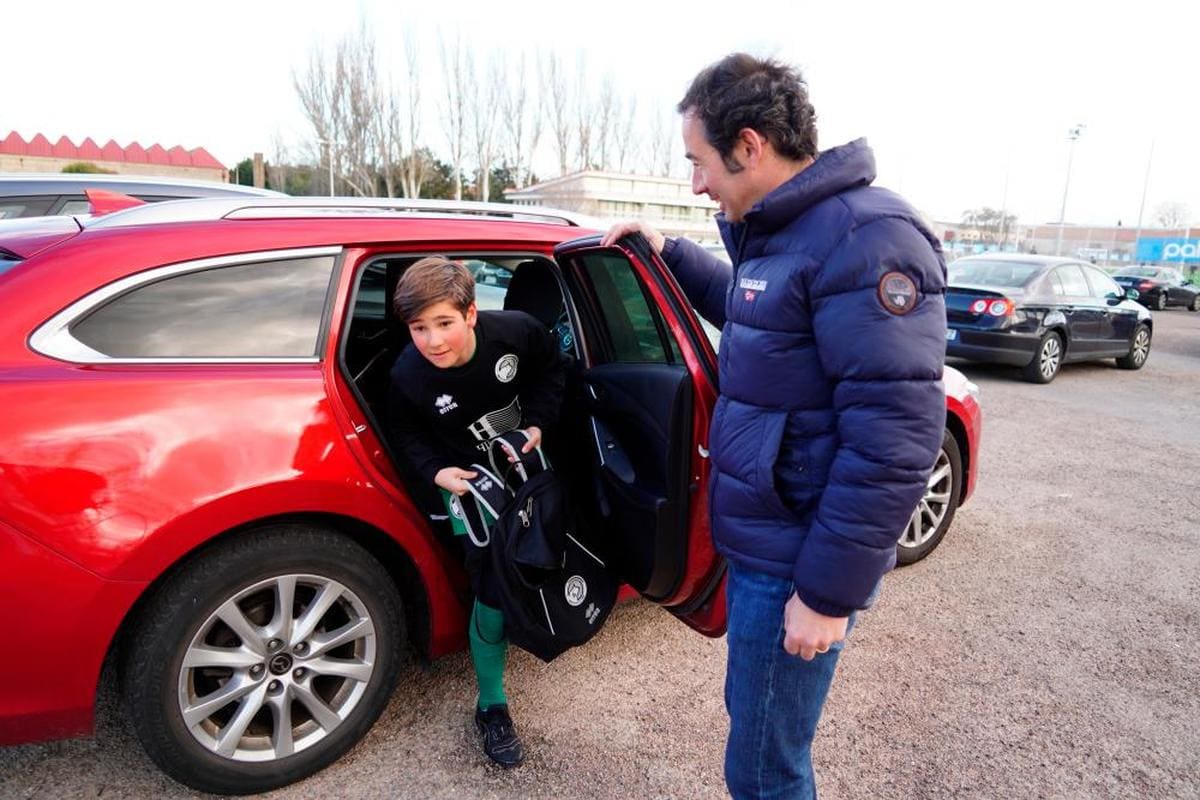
(64, 148)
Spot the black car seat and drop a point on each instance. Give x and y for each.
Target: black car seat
(535, 290)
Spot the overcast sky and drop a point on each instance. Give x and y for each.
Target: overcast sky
(957, 98)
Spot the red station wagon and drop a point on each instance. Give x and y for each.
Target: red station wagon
(195, 488)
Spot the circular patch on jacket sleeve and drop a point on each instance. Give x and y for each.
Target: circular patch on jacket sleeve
(897, 293)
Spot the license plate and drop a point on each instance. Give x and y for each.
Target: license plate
(951, 334)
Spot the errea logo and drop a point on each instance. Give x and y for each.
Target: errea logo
(445, 403)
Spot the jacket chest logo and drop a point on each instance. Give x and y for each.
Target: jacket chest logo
(752, 287)
(445, 404)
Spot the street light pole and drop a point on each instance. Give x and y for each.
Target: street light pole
(1074, 133)
(1137, 237)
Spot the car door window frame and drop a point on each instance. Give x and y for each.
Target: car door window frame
(54, 338)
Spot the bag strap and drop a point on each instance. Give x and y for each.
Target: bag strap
(490, 496)
(505, 456)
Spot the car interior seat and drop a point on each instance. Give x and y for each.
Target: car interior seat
(535, 290)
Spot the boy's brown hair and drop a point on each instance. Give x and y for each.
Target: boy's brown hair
(432, 280)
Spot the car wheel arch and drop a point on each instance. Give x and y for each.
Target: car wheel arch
(959, 431)
(391, 554)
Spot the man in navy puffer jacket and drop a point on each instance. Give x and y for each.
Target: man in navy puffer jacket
(831, 409)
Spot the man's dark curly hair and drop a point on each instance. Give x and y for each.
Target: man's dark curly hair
(741, 91)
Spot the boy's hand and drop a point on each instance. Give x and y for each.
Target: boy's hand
(454, 480)
(535, 439)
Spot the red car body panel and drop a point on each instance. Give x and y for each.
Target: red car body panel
(107, 486)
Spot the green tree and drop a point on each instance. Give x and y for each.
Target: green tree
(87, 168)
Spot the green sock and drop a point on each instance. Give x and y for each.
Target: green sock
(489, 651)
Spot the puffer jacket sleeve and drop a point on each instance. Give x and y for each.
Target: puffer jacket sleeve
(703, 277)
(885, 374)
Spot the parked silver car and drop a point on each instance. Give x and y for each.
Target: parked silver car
(30, 194)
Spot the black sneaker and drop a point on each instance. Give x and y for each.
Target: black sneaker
(500, 740)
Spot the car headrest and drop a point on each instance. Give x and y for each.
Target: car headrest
(534, 290)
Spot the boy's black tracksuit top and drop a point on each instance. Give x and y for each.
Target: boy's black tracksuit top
(444, 417)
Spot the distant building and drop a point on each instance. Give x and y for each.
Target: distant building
(666, 203)
(38, 155)
(1105, 245)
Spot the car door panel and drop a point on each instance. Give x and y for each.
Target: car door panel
(648, 390)
(642, 416)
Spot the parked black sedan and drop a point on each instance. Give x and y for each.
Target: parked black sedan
(1159, 287)
(1038, 312)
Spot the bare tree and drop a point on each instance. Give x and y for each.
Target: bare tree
(454, 109)
(341, 98)
(482, 101)
(561, 110)
(414, 168)
(315, 91)
(607, 108)
(1172, 214)
(624, 144)
(585, 114)
(522, 122)
(656, 144)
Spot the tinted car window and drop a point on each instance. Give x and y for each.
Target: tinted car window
(1001, 274)
(1102, 285)
(7, 262)
(262, 310)
(13, 207)
(1073, 281)
(633, 326)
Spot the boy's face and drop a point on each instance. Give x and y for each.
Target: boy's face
(444, 335)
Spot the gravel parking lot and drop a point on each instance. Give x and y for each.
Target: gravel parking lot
(1049, 648)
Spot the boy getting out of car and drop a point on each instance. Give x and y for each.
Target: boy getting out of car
(467, 377)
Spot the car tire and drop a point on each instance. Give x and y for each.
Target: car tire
(929, 522)
(1195, 306)
(1139, 349)
(1160, 302)
(1046, 361)
(230, 695)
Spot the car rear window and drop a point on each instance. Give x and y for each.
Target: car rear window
(268, 309)
(1000, 274)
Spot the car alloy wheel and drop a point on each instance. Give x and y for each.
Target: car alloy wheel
(277, 668)
(932, 509)
(264, 657)
(934, 513)
(1141, 347)
(1050, 358)
(1161, 302)
(1195, 306)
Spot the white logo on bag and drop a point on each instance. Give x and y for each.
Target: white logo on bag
(575, 590)
(506, 368)
(445, 403)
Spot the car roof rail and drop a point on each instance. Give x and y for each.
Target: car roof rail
(213, 209)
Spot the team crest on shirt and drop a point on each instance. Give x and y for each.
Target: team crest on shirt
(897, 293)
(506, 368)
(445, 404)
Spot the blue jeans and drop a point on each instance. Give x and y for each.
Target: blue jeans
(774, 699)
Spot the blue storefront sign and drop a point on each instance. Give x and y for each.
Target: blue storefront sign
(1167, 251)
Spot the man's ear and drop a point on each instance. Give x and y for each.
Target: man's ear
(751, 146)
(472, 315)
